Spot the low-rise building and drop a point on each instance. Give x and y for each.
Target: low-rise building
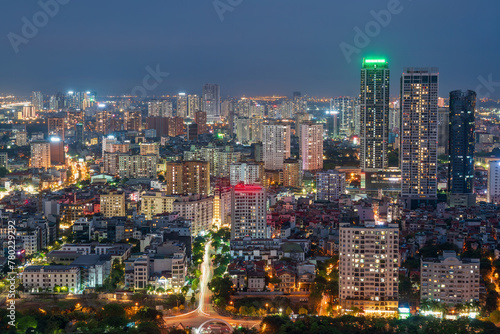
(46, 278)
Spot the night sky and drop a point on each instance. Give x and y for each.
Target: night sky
(260, 47)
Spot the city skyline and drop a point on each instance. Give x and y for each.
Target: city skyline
(231, 53)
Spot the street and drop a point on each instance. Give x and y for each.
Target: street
(205, 311)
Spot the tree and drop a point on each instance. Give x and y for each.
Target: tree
(288, 311)
(3, 171)
(114, 315)
(148, 328)
(491, 301)
(302, 311)
(176, 331)
(272, 324)
(221, 288)
(495, 316)
(243, 310)
(26, 322)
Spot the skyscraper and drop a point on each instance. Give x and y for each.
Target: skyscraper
(248, 212)
(276, 144)
(37, 101)
(182, 107)
(311, 146)
(345, 106)
(419, 99)
(462, 139)
(193, 105)
(211, 100)
(374, 116)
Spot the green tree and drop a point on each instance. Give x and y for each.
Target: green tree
(272, 324)
(243, 310)
(3, 171)
(148, 328)
(222, 289)
(495, 317)
(26, 322)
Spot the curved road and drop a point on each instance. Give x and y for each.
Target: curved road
(205, 311)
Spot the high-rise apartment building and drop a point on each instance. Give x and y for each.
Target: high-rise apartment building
(132, 121)
(374, 117)
(292, 173)
(368, 268)
(462, 144)
(113, 204)
(443, 131)
(419, 98)
(149, 148)
(182, 106)
(330, 185)
(21, 138)
(198, 209)
(311, 146)
(222, 206)
(137, 166)
(193, 106)
(156, 203)
(37, 101)
(200, 118)
(40, 154)
(160, 108)
(174, 178)
(494, 182)
(345, 106)
(4, 160)
(246, 172)
(211, 101)
(29, 112)
(56, 126)
(276, 144)
(248, 212)
(449, 279)
(196, 177)
(57, 154)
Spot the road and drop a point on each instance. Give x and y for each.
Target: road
(205, 311)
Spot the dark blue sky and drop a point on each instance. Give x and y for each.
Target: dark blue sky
(261, 46)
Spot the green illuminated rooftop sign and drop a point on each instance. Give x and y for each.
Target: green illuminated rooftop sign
(375, 61)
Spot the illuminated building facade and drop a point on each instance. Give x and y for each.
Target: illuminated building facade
(248, 212)
(368, 267)
(374, 118)
(276, 144)
(419, 98)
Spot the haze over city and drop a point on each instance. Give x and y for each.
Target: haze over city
(249, 167)
(259, 47)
